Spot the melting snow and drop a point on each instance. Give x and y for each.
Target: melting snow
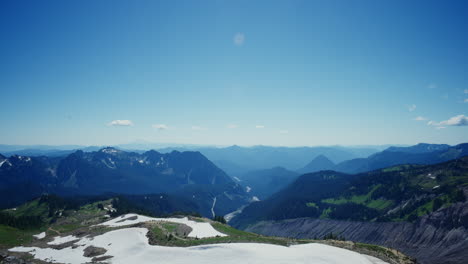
(61, 240)
(4, 161)
(255, 199)
(109, 150)
(200, 230)
(40, 236)
(131, 246)
(110, 166)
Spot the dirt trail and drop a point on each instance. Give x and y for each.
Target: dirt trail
(56, 231)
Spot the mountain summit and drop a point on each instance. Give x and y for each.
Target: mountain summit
(319, 163)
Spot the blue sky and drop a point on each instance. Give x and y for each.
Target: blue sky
(234, 72)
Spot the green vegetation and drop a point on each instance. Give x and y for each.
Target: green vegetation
(398, 193)
(376, 248)
(379, 204)
(219, 218)
(170, 227)
(166, 234)
(50, 213)
(366, 199)
(397, 168)
(160, 233)
(10, 236)
(326, 213)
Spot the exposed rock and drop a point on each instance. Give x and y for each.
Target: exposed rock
(101, 258)
(439, 237)
(91, 251)
(128, 219)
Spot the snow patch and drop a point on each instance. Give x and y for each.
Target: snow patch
(231, 215)
(40, 236)
(61, 240)
(110, 166)
(5, 161)
(109, 150)
(199, 230)
(131, 245)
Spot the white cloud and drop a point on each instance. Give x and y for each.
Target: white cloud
(160, 126)
(459, 120)
(440, 127)
(120, 123)
(411, 108)
(466, 100)
(198, 128)
(420, 118)
(283, 131)
(232, 126)
(465, 91)
(239, 39)
(432, 86)
(259, 126)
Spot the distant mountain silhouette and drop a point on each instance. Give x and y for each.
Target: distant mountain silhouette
(420, 148)
(419, 154)
(319, 163)
(235, 159)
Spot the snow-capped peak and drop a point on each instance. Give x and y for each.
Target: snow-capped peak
(109, 150)
(6, 162)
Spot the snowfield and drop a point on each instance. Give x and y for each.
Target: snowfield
(60, 240)
(130, 245)
(199, 229)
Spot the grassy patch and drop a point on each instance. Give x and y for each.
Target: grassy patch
(379, 204)
(160, 235)
(33, 208)
(67, 227)
(396, 168)
(170, 227)
(376, 248)
(325, 213)
(10, 236)
(365, 199)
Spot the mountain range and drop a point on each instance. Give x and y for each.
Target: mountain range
(185, 174)
(419, 209)
(409, 198)
(418, 154)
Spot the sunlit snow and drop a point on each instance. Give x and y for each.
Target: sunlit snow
(40, 236)
(199, 229)
(60, 240)
(130, 245)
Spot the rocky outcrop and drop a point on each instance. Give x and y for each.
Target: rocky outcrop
(440, 237)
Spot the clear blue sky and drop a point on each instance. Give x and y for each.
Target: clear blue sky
(234, 72)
